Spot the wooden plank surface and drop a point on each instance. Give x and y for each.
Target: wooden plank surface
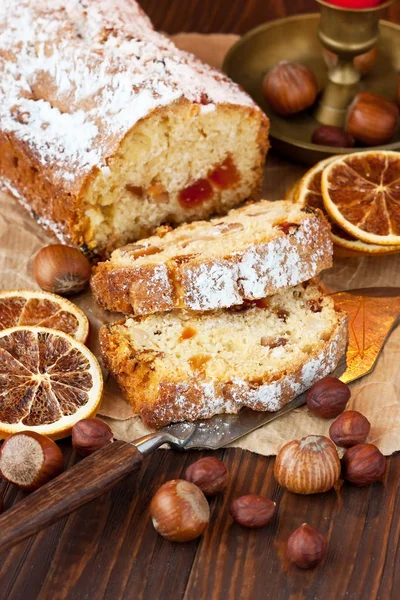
(109, 550)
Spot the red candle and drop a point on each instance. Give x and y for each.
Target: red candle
(355, 3)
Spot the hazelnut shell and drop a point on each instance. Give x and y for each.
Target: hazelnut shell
(290, 88)
(372, 119)
(327, 398)
(61, 269)
(209, 474)
(29, 460)
(310, 465)
(179, 511)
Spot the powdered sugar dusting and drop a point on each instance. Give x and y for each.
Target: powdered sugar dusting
(259, 271)
(76, 76)
(280, 264)
(213, 285)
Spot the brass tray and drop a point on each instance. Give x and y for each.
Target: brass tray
(295, 39)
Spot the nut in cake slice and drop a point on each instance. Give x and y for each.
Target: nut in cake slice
(252, 252)
(182, 366)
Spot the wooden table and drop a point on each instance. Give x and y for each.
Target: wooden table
(109, 549)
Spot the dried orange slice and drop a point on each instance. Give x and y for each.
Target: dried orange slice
(361, 193)
(33, 307)
(309, 193)
(290, 193)
(48, 381)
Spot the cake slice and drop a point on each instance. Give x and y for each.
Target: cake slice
(185, 366)
(252, 252)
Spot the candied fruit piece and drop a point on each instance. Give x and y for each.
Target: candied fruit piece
(225, 175)
(188, 333)
(195, 194)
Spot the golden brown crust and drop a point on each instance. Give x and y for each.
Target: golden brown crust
(22, 174)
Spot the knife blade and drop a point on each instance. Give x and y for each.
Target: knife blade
(373, 313)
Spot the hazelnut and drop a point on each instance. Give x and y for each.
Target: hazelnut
(307, 466)
(61, 269)
(89, 435)
(290, 88)
(179, 511)
(209, 474)
(327, 398)
(328, 135)
(349, 429)
(363, 464)
(252, 510)
(398, 89)
(372, 119)
(306, 547)
(29, 460)
(363, 62)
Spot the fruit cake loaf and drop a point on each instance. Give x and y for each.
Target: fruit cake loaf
(184, 366)
(251, 253)
(107, 130)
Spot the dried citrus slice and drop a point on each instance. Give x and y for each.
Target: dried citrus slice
(48, 381)
(309, 193)
(361, 193)
(33, 307)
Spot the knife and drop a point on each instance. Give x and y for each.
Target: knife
(373, 314)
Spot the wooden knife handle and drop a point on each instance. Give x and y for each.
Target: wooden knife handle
(83, 482)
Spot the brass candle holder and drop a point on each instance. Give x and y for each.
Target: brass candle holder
(298, 38)
(347, 33)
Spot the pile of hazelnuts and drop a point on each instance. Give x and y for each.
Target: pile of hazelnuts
(371, 120)
(180, 511)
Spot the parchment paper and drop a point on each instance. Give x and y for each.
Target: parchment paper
(376, 395)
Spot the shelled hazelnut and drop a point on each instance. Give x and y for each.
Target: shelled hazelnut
(29, 460)
(89, 435)
(306, 547)
(290, 88)
(61, 269)
(349, 429)
(363, 464)
(179, 511)
(327, 398)
(252, 511)
(372, 119)
(209, 474)
(398, 89)
(328, 135)
(308, 466)
(363, 62)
